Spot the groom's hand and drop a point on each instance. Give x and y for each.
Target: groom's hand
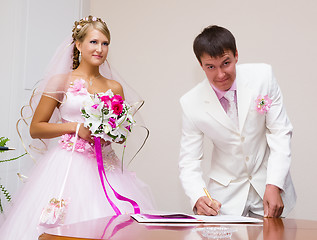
(205, 206)
(272, 201)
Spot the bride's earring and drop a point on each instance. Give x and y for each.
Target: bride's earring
(79, 56)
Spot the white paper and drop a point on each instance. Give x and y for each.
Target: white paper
(198, 219)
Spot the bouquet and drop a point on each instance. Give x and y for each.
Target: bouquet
(107, 116)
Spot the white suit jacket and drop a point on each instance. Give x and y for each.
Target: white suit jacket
(257, 153)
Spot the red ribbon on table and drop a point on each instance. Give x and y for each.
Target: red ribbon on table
(102, 174)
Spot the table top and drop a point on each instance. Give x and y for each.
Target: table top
(124, 227)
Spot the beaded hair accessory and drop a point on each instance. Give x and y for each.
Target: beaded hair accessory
(82, 22)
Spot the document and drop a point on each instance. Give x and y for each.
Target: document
(198, 219)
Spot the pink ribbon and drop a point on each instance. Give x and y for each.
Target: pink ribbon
(117, 228)
(102, 173)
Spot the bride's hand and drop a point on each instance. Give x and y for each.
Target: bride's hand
(122, 141)
(104, 142)
(85, 133)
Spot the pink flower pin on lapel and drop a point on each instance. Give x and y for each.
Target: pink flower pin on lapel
(263, 104)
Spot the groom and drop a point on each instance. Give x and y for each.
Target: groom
(240, 109)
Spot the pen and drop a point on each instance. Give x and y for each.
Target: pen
(207, 194)
(6, 148)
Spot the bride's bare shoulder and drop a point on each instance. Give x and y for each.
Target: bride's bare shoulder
(114, 86)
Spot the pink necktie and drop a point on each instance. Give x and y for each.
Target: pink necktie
(232, 109)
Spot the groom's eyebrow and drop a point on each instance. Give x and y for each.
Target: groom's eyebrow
(226, 59)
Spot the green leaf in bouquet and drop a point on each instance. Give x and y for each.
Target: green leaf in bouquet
(112, 136)
(105, 111)
(84, 113)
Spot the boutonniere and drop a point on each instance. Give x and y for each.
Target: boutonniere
(263, 104)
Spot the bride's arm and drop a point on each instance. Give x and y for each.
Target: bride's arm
(41, 128)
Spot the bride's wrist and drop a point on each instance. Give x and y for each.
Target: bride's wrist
(73, 126)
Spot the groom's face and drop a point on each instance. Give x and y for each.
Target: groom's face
(220, 71)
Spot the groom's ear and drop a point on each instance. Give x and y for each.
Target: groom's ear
(236, 56)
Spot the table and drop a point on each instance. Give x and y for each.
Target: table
(123, 227)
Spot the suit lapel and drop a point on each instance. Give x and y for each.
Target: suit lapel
(244, 97)
(213, 106)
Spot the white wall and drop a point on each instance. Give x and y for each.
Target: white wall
(152, 48)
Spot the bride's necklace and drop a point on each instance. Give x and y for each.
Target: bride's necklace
(90, 79)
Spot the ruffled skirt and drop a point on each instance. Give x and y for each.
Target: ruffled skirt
(83, 192)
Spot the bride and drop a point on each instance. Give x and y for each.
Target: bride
(68, 176)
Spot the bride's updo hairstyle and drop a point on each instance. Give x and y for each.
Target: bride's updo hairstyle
(80, 31)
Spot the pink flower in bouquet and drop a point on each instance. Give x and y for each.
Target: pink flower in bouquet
(78, 87)
(263, 104)
(117, 99)
(106, 99)
(112, 122)
(117, 108)
(95, 106)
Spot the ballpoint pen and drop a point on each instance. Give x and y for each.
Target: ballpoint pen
(6, 148)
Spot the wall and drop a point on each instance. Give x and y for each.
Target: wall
(152, 49)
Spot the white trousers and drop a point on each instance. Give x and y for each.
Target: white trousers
(254, 204)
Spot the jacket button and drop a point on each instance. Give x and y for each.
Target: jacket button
(250, 177)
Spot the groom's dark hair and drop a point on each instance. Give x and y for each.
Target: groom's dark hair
(214, 41)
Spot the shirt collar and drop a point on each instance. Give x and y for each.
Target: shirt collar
(221, 93)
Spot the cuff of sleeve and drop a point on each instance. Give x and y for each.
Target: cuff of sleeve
(195, 198)
(278, 184)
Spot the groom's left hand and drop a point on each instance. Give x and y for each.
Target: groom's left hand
(272, 201)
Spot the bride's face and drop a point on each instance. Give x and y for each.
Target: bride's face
(94, 47)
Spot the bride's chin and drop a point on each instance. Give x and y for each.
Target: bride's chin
(97, 64)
